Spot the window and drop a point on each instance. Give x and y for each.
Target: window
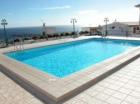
(113, 27)
(137, 28)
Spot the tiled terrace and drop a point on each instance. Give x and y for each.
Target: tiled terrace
(12, 93)
(122, 87)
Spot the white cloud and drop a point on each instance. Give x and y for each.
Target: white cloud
(96, 17)
(53, 8)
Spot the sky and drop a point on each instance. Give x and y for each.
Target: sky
(21, 13)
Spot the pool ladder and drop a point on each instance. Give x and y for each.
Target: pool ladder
(18, 46)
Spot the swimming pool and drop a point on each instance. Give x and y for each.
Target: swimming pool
(64, 59)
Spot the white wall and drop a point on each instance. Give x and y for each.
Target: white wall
(116, 28)
(50, 30)
(85, 29)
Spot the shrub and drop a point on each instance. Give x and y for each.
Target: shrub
(17, 40)
(67, 34)
(34, 37)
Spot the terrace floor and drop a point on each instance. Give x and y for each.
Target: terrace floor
(122, 87)
(12, 93)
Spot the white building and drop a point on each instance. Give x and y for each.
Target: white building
(133, 27)
(116, 28)
(48, 30)
(122, 29)
(85, 29)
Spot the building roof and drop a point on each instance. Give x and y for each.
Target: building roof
(131, 23)
(126, 23)
(116, 23)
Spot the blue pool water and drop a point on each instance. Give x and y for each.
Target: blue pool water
(64, 59)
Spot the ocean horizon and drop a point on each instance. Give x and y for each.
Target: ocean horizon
(36, 30)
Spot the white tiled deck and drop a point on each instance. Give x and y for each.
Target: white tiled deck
(122, 87)
(12, 93)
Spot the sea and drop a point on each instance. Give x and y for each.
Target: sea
(33, 31)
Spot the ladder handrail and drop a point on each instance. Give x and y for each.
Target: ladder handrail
(19, 46)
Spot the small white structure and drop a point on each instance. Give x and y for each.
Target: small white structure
(85, 29)
(48, 30)
(116, 28)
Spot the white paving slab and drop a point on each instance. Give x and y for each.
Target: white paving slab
(127, 93)
(122, 87)
(118, 88)
(12, 93)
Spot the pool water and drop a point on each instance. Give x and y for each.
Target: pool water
(64, 59)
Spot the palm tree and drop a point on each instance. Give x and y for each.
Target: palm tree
(4, 23)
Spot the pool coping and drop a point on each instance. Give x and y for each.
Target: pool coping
(55, 90)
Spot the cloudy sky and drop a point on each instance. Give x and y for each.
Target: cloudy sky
(59, 12)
